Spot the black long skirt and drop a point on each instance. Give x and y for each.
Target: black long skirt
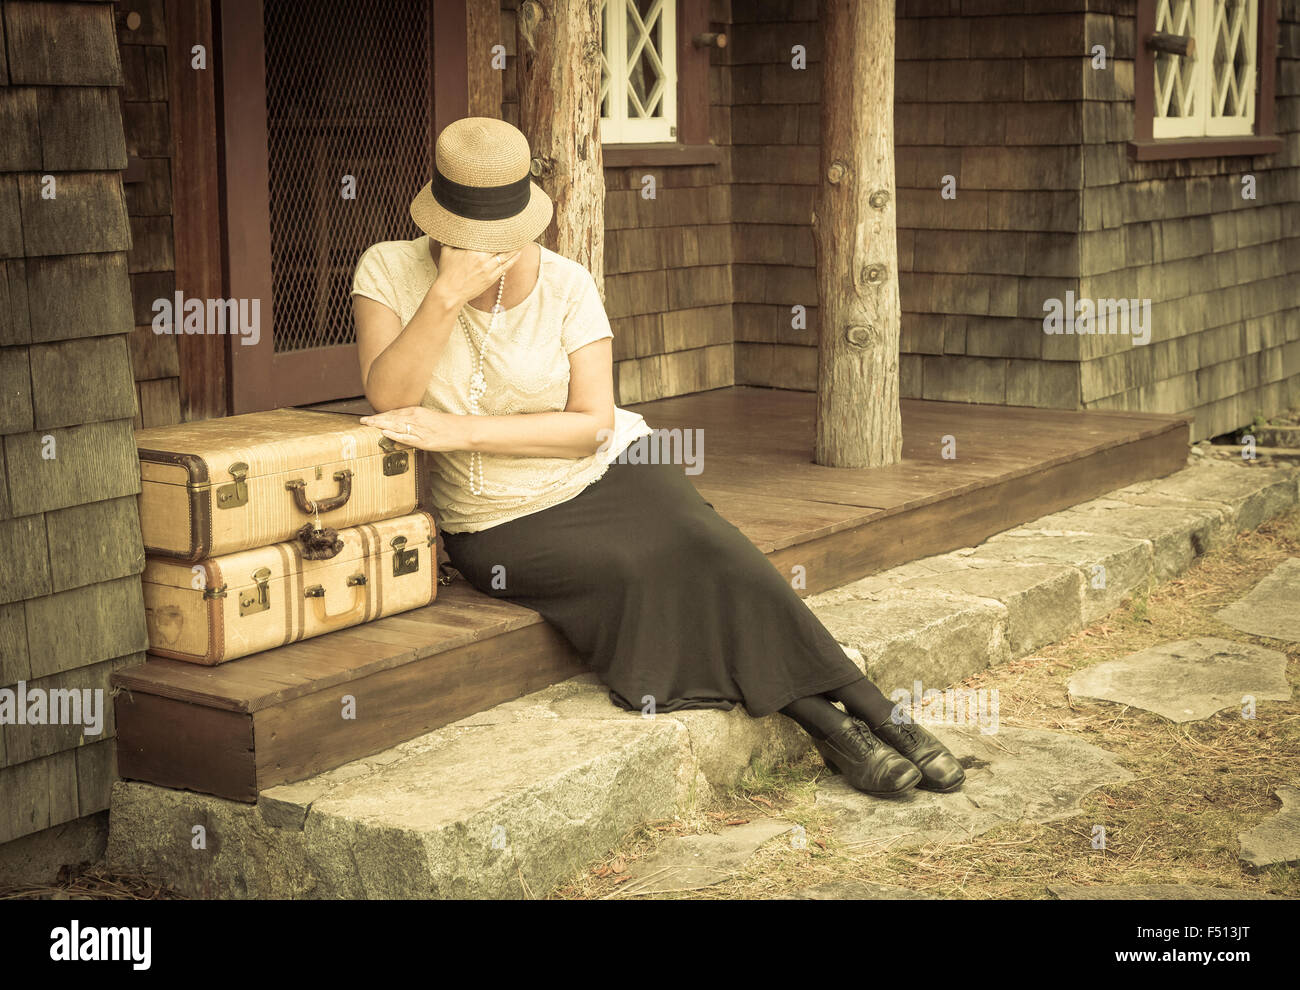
(669, 603)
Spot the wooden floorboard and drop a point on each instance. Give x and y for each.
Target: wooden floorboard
(466, 651)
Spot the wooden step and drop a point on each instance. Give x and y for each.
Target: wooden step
(277, 716)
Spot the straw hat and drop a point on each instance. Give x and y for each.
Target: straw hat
(481, 196)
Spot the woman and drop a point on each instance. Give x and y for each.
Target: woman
(493, 352)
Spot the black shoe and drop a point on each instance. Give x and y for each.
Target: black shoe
(940, 770)
(866, 762)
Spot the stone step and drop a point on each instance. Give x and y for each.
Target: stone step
(511, 801)
(503, 804)
(1276, 436)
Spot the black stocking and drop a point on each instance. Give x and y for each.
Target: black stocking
(818, 717)
(863, 700)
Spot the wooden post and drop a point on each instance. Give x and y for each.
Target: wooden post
(858, 421)
(558, 47)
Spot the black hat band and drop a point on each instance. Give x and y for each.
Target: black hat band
(481, 202)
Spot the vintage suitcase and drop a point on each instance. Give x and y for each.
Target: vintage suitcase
(240, 603)
(215, 486)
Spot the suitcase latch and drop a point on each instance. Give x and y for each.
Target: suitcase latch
(404, 561)
(395, 461)
(318, 590)
(251, 602)
(234, 495)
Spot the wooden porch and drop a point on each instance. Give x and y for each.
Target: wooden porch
(274, 717)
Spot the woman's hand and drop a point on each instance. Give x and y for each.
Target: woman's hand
(422, 428)
(464, 275)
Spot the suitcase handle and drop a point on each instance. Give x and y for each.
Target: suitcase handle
(306, 506)
(353, 613)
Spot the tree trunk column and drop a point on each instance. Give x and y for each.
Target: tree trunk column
(854, 228)
(558, 46)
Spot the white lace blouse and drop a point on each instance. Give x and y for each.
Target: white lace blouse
(526, 366)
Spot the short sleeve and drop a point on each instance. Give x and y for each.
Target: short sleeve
(585, 319)
(372, 280)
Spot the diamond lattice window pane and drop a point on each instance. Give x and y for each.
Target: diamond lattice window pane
(347, 94)
(1175, 93)
(1231, 73)
(645, 72)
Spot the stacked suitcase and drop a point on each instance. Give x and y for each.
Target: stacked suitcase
(267, 528)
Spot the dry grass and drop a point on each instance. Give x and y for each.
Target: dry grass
(92, 883)
(1198, 784)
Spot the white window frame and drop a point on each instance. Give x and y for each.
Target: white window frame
(619, 128)
(1201, 123)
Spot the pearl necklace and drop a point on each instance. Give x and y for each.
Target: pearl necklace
(478, 382)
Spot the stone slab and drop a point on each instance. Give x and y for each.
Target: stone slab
(723, 744)
(1178, 532)
(1013, 775)
(1277, 436)
(1112, 567)
(1271, 608)
(501, 810)
(1187, 680)
(691, 862)
(1276, 840)
(1044, 602)
(906, 635)
(1252, 496)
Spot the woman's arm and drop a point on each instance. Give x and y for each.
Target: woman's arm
(585, 424)
(575, 432)
(397, 362)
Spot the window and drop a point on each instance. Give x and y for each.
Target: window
(1213, 94)
(638, 71)
(1218, 98)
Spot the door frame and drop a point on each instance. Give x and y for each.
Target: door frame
(197, 221)
(237, 193)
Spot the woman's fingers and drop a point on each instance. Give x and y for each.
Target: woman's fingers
(475, 271)
(396, 419)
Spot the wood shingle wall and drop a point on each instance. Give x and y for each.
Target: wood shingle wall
(774, 110)
(70, 548)
(1223, 272)
(1000, 96)
(987, 103)
(668, 258)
